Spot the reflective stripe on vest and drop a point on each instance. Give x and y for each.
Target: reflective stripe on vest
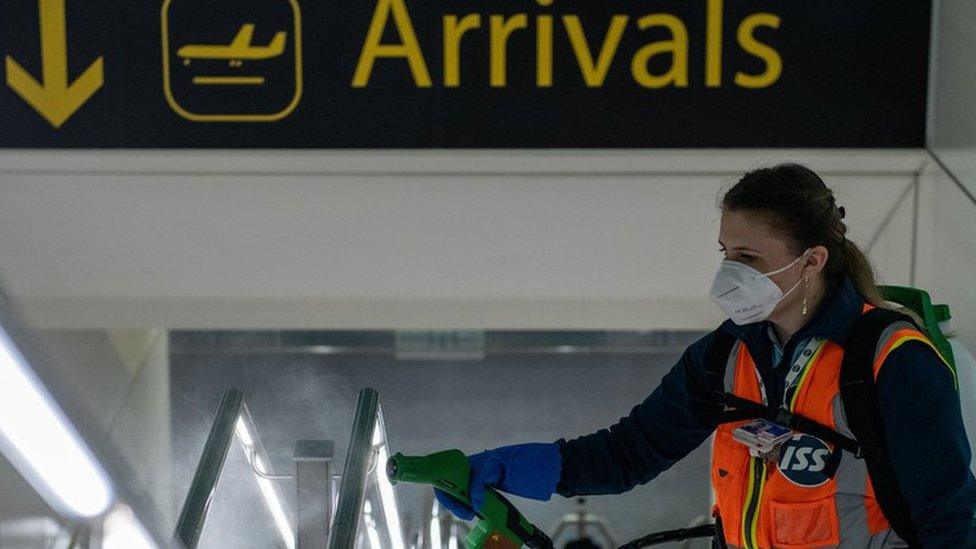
(790, 503)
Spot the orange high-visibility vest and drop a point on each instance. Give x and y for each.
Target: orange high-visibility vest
(788, 501)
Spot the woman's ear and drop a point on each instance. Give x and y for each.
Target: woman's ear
(816, 260)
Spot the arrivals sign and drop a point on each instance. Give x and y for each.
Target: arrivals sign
(453, 73)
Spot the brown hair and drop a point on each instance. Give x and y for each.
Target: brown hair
(798, 204)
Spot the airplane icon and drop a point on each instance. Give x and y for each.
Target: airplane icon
(238, 51)
(246, 66)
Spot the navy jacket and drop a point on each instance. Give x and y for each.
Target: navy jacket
(919, 404)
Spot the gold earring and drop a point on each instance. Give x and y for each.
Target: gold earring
(806, 286)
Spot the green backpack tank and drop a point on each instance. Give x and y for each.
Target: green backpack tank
(935, 321)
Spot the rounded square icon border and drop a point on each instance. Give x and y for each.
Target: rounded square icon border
(164, 18)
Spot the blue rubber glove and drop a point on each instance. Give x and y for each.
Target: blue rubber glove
(528, 470)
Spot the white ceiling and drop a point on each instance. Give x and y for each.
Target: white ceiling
(428, 239)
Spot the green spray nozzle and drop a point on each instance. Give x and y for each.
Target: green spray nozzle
(500, 525)
(447, 470)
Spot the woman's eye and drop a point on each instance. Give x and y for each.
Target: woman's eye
(741, 257)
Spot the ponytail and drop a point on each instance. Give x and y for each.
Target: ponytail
(859, 269)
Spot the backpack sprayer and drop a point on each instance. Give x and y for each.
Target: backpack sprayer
(500, 525)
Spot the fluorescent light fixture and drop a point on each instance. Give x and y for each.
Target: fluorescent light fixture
(391, 514)
(388, 498)
(123, 531)
(267, 489)
(435, 533)
(378, 433)
(40, 441)
(371, 533)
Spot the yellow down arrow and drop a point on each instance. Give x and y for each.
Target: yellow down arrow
(54, 99)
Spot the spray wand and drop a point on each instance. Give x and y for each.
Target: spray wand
(500, 525)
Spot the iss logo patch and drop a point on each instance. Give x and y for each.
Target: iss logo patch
(803, 461)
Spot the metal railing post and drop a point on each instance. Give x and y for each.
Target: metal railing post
(313, 479)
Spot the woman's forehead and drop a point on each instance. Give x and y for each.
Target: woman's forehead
(749, 229)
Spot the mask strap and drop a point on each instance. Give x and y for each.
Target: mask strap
(797, 285)
(790, 264)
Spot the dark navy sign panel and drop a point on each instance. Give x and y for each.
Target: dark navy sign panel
(453, 74)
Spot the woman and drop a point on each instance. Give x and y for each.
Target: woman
(793, 286)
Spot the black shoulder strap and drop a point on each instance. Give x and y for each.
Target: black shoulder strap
(859, 393)
(716, 359)
(733, 408)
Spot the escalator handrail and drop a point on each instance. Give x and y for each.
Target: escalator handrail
(352, 488)
(198, 499)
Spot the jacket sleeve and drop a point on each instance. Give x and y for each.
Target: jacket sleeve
(665, 427)
(927, 444)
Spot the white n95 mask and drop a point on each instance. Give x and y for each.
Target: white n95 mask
(747, 295)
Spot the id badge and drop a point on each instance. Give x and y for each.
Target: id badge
(762, 437)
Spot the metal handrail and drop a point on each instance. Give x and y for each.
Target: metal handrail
(232, 420)
(352, 488)
(252, 457)
(198, 499)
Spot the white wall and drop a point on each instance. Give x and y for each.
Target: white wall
(947, 249)
(947, 216)
(952, 113)
(475, 239)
